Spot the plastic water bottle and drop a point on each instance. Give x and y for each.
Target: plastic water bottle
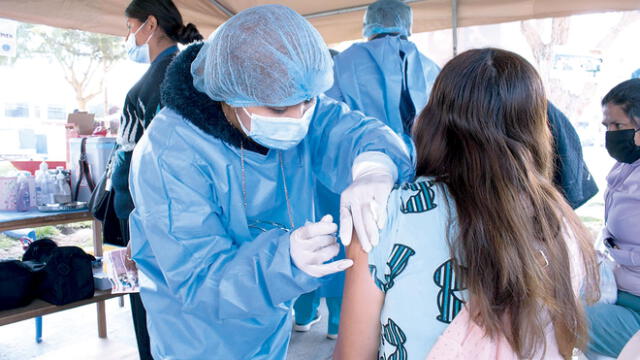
(63, 189)
(23, 198)
(42, 185)
(51, 186)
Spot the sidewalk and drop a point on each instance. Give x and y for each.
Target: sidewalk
(73, 334)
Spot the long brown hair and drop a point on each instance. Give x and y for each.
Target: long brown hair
(485, 135)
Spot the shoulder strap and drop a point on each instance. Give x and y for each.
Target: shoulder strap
(84, 169)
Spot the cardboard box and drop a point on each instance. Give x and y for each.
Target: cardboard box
(82, 121)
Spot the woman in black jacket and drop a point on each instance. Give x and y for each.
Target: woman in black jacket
(155, 29)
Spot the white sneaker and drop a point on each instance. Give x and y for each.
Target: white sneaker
(332, 336)
(307, 327)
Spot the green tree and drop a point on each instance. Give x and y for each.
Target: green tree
(568, 101)
(85, 58)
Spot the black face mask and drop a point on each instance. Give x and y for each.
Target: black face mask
(621, 146)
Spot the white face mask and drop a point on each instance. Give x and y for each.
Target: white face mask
(138, 53)
(280, 133)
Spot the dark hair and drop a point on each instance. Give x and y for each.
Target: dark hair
(627, 96)
(484, 134)
(168, 16)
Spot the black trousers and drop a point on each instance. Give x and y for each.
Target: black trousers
(137, 311)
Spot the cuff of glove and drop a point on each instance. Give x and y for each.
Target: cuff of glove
(373, 162)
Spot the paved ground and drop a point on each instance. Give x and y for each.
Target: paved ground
(314, 344)
(73, 334)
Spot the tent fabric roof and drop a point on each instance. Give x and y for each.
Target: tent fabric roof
(343, 21)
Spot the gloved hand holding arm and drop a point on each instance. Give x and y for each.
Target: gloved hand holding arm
(363, 205)
(349, 147)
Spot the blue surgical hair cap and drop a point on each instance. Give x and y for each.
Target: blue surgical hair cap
(387, 17)
(267, 55)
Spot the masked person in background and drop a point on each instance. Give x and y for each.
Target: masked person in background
(155, 28)
(224, 231)
(612, 325)
(385, 77)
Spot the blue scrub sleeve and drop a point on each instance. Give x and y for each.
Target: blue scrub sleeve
(335, 92)
(338, 135)
(202, 264)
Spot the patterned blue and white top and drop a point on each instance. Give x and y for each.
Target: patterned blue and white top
(412, 266)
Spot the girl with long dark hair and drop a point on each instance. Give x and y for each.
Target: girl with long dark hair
(481, 229)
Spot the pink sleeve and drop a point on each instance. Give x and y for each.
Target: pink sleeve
(463, 339)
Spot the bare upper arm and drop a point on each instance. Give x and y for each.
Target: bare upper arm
(359, 334)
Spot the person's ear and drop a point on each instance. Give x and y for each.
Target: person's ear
(232, 115)
(152, 24)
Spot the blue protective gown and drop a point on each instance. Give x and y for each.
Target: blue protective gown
(214, 283)
(370, 77)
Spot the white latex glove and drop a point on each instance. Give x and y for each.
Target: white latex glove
(363, 205)
(315, 243)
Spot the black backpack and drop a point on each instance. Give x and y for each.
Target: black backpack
(66, 274)
(18, 284)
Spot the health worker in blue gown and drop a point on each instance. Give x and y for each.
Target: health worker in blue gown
(224, 230)
(386, 76)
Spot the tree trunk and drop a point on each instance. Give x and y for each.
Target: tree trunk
(81, 102)
(542, 51)
(104, 89)
(573, 104)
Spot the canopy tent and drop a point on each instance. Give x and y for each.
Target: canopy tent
(337, 20)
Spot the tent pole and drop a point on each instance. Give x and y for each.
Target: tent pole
(346, 10)
(222, 8)
(454, 25)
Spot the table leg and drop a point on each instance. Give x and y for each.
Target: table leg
(39, 329)
(97, 250)
(102, 319)
(97, 238)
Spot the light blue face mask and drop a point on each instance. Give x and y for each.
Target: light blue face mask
(281, 133)
(138, 53)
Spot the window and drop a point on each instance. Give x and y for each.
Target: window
(19, 110)
(56, 113)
